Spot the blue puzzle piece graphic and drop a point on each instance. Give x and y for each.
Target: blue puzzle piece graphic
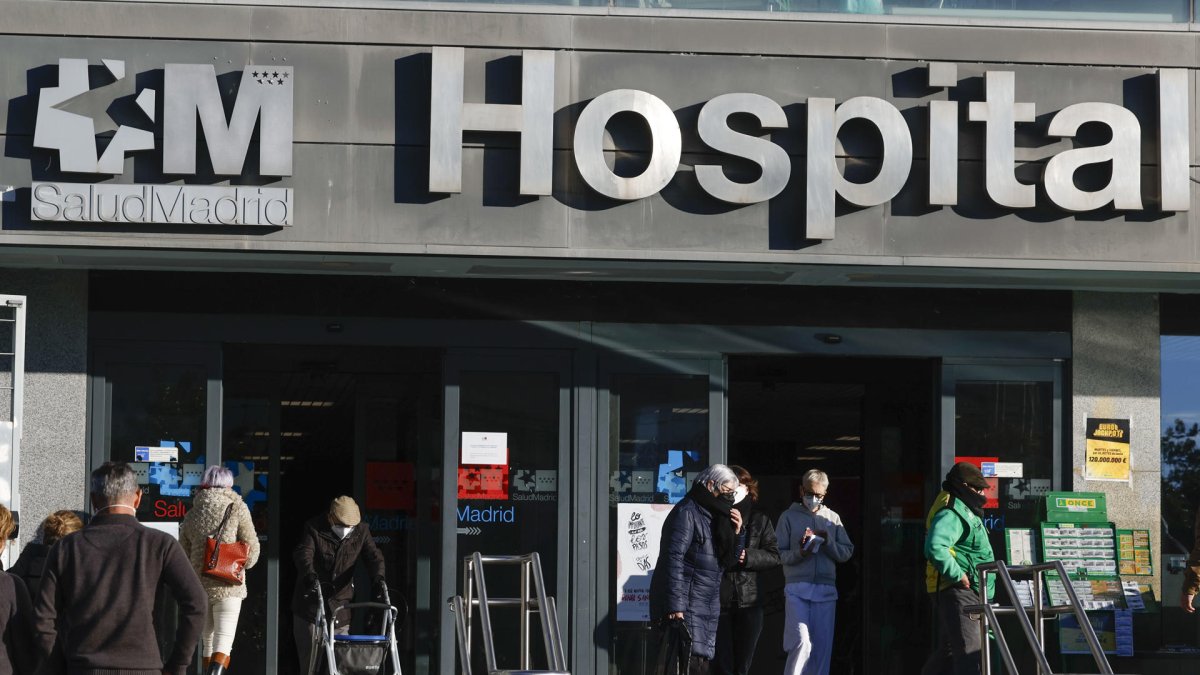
(670, 477)
(169, 480)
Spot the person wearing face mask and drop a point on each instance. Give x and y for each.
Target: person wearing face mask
(218, 511)
(741, 602)
(956, 542)
(699, 542)
(812, 541)
(330, 547)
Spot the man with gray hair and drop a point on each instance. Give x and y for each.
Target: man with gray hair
(94, 612)
(699, 542)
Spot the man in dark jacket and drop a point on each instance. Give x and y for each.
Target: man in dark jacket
(699, 541)
(329, 548)
(95, 607)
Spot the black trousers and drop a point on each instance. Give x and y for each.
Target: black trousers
(956, 650)
(737, 638)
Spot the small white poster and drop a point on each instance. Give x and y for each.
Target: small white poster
(484, 447)
(1002, 470)
(151, 453)
(639, 530)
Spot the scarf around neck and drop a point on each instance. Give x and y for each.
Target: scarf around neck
(966, 495)
(724, 538)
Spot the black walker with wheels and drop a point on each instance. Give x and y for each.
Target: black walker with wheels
(375, 654)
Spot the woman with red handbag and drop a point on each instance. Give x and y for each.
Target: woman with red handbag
(218, 536)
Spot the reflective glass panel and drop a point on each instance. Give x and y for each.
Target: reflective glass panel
(659, 441)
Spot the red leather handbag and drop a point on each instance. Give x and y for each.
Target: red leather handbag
(225, 562)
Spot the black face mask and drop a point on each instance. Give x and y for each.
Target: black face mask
(726, 497)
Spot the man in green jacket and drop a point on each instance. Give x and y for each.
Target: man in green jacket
(955, 543)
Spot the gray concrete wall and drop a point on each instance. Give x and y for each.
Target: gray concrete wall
(53, 463)
(1116, 374)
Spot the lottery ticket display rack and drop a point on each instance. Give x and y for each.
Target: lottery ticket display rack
(1077, 533)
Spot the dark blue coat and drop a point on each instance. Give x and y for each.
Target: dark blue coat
(687, 577)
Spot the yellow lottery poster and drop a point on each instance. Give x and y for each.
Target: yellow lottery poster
(1107, 450)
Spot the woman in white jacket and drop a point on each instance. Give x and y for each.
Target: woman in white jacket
(811, 543)
(224, 600)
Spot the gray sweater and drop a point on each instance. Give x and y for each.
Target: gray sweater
(813, 568)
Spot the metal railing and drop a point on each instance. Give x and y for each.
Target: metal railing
(1034, 631)
(475, 595)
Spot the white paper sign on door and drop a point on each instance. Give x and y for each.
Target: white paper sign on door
(484, 447)
(639, 530)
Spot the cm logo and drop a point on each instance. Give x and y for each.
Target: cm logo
(190, 93)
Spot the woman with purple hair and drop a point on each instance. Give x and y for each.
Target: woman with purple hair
(209, 506)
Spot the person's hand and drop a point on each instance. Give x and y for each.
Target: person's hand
(965, 581)
(1186, 603)
(380, 587)
(742, 557)
(675, 615)
(736, 516)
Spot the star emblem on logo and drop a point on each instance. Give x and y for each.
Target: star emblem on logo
(74, 135)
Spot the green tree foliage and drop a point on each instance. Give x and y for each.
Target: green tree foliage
(1180, 481)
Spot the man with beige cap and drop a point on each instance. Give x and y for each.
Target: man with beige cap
(329, 548)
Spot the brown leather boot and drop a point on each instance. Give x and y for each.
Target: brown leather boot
(218, 664)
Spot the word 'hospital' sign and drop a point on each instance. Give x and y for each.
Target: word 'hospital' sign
(999, 112)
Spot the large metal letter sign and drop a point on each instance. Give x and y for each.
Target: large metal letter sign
(1000, 113)
(714, 130)
(1174, 140)
(1124, 188)
(533, 119)
(265, 92)
(825, 181)
(665, 150)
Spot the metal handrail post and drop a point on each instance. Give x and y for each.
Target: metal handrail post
(469, 596)
(1001, 643)
(1039, 652)
(524, 627)
(460, 626)
(1038, 619)
(985, 647)
(539, 587)
(1084, 625)
(560, 654)
(485, 616)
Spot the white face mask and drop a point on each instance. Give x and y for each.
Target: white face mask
(343, 531)
(813, 503)
(739, 493)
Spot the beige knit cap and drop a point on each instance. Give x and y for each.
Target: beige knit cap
(345, 511)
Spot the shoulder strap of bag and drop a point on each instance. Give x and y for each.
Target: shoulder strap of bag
(216, 534)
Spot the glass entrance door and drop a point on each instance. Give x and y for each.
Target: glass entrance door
(659, 423)
(507, 477)
(302, 425)
(1005, 412)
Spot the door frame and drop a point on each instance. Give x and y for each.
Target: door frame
(610, 365)
(454, 364)
(1024, 370)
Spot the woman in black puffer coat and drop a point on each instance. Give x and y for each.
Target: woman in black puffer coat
(699, 541)
(741, 603)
